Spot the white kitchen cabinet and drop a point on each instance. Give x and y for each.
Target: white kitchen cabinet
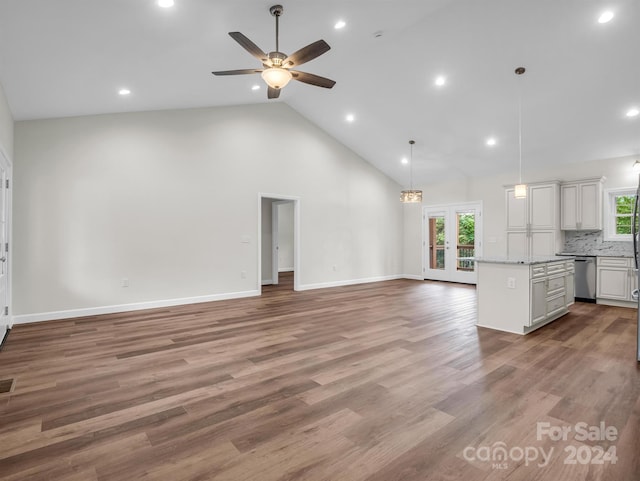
(570, 287)
(615, 280)
(538, 300)
(533, 222)
(581, 205)
(521, 295)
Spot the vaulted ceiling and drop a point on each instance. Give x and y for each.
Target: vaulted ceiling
(70, 57)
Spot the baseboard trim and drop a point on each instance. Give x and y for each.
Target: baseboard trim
(351, 282)
(267, 282)
(4, 338)
(286, 269)
(138, 306)
(413, 278)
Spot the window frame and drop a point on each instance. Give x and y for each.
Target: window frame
(610, 214)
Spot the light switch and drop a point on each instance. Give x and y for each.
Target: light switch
(511, 282)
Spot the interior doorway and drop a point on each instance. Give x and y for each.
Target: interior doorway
(279, 253)
(452, 238)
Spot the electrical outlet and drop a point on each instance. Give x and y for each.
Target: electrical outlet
(511, 282)
(335, 268)
(243, 274)
(125, 282)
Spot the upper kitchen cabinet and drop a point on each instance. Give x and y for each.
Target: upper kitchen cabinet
(538, 211)
(581, 205)
(533, 223)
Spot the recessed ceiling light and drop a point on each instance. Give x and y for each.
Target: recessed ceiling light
(255, 87)
(404, 160)
(340, 24)
(166, 3)
(350, 118)
(633, 112)
(440, 80)
(605, 17)
(491, 141)
(124, 91)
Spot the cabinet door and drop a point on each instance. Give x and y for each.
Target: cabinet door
(517, 244)
(590, 206)
(569, 204)
(538, 300)
(613, 283)
(517, 216)
(543, 206)
(570, 287)
(543, 243)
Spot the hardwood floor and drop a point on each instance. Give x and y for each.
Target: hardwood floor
(376, 382)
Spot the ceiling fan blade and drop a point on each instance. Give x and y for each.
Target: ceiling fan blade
(249, 46)
(307, 53)
(273, 93)
(312, 79)
(238, 72)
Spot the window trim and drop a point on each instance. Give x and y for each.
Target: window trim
(610, 214)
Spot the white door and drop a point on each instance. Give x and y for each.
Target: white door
(452, 238)
(4, 239)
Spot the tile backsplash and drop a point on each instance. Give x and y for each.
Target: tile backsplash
(593, 243)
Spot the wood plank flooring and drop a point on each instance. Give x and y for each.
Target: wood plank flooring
(375, 382)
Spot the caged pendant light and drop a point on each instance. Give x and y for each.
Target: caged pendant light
(520, 190)
(411, 196)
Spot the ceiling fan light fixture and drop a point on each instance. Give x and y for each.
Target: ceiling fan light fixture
(276, 77)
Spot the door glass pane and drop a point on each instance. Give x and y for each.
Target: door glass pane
(436, 242)
(466, 238)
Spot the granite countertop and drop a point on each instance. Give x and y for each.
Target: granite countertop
(522, 260)
(597, 254)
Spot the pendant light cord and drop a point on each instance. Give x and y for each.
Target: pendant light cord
(411, 142)
(520, 71)
(520, 131)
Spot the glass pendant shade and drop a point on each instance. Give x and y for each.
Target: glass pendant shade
(276, 77)
(520, 191)
(411, 196)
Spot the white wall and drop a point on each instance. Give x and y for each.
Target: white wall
(6, 126)
(490, 190)
(285, 236)
(166, 198)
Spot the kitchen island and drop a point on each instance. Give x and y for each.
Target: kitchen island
(520, 295)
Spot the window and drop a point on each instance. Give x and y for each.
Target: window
(619, 213)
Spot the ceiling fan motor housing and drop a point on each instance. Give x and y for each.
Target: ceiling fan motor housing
(277, 58)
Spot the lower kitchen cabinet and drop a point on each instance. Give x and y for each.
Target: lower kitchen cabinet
(520, 296)
(615, 281)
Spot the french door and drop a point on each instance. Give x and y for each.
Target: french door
(452, 238)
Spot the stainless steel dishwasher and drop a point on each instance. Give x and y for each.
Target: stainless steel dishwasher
(586, 278)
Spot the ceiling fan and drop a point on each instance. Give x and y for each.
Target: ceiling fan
(277, 66)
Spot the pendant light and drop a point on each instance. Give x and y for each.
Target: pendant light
(411, 196)
(520, 191)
